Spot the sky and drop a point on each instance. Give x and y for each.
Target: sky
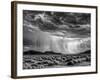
(60, 32)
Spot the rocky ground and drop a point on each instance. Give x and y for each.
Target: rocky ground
(50, 61)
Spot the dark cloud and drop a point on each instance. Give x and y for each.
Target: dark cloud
(40, 26)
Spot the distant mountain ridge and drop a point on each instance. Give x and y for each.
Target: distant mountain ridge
(31, 52)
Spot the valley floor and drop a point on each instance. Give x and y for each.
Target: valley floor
(38, 61)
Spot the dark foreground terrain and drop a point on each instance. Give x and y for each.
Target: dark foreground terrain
(50, 60)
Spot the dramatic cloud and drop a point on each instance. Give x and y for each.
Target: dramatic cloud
(67, 33)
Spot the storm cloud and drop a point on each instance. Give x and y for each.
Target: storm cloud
(59, 32)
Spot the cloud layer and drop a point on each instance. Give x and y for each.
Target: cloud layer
(67, 33)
